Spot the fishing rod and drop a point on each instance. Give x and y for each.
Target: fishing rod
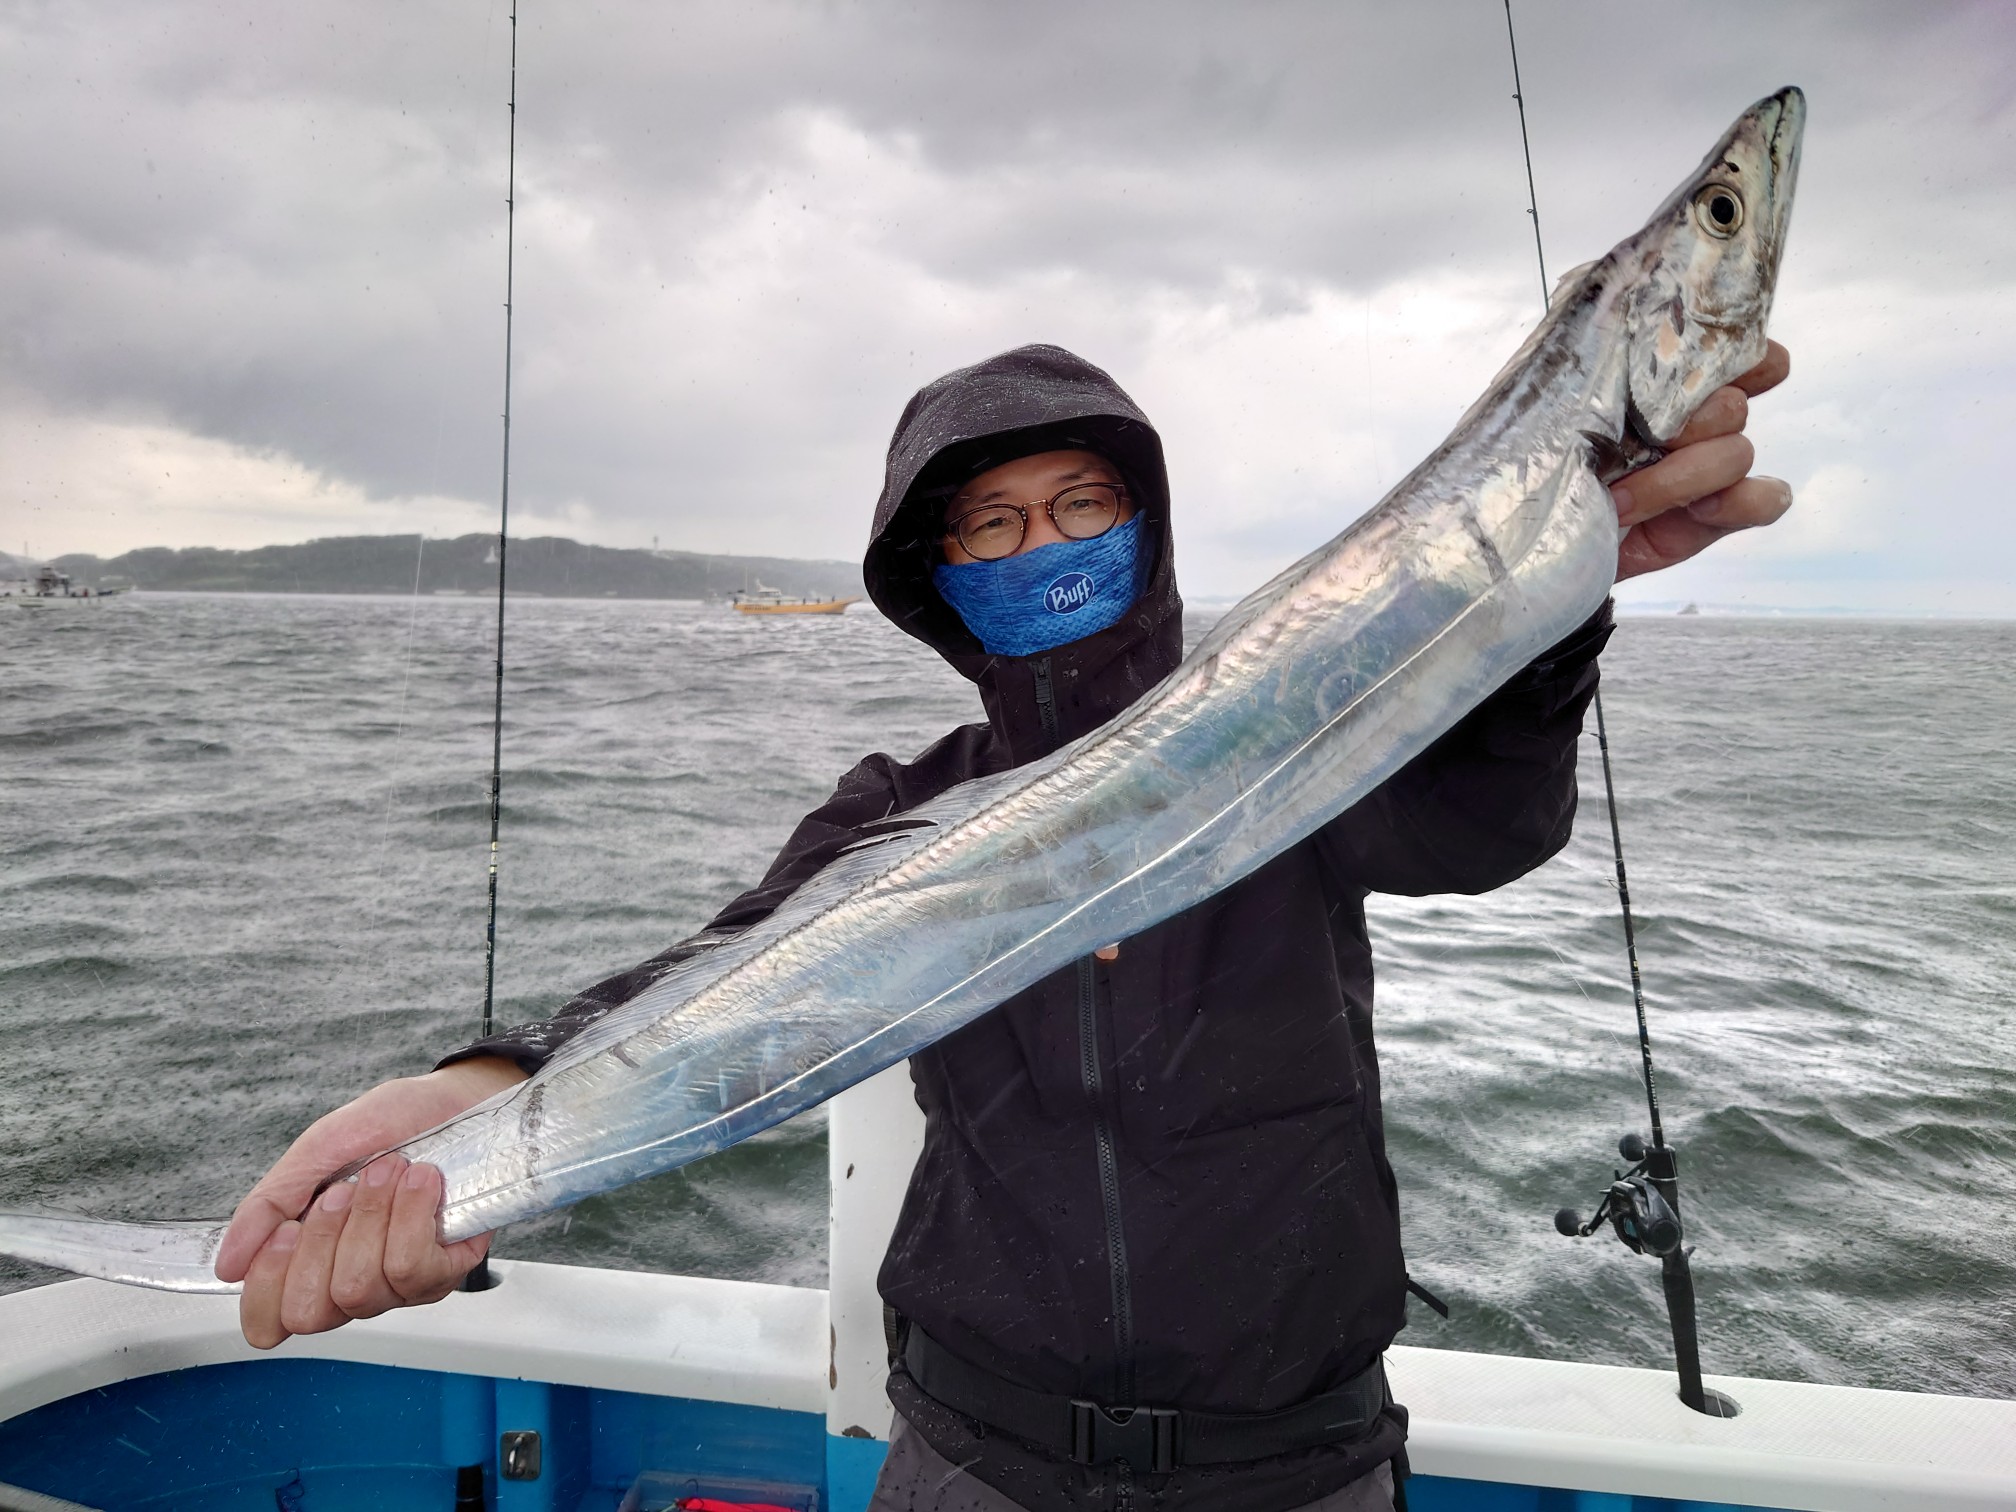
(503, 537)
(1642, 1204)
(479, 1278)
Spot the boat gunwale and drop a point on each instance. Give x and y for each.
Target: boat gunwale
(1563, 1424)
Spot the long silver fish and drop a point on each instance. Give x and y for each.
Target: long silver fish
(1313, 691)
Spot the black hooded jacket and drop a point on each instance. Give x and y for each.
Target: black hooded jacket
(1160, 1179)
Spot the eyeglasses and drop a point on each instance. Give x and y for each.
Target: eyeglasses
(1082, 512)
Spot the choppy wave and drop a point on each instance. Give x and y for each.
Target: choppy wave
(242, 854)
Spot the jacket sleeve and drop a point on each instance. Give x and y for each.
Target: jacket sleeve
(1490, 800)
(866, 794)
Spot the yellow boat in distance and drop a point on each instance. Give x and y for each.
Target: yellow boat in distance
(762, 600)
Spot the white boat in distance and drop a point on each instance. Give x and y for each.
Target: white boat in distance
(50, 589)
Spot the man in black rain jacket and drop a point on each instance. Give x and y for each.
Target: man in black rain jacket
(1158, 1178)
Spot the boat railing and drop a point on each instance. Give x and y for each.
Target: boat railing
(1486, 1430)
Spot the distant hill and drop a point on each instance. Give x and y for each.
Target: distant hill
(547, 565)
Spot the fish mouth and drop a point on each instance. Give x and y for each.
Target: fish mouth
(1785, 135)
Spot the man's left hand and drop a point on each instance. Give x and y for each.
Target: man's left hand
(1701, 490)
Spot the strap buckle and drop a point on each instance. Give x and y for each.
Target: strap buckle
(1145, 1437)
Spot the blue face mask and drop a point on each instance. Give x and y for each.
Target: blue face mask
(1061, 592)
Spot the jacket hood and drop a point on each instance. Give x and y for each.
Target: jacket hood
(1035, 398)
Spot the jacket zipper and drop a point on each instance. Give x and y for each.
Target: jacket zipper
(1109, 1188)
(1046, 701)
(1102, 1131)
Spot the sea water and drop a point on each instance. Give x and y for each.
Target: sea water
(243, 844)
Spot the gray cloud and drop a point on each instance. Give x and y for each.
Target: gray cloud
(747, 231)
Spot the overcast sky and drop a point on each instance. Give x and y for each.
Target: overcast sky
(252, 260)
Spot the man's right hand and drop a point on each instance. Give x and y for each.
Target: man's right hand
(367, 1246)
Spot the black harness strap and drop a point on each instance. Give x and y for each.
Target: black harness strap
(1427, 1296)
(1153, 1440)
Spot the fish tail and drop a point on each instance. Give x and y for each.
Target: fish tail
(166, 1256)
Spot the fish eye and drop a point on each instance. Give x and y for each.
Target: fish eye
(1719, 210)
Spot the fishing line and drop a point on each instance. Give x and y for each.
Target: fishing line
(1602, 731)
(503, 538)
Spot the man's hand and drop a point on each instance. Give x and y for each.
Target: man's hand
(1700, 491)
(368, 1246)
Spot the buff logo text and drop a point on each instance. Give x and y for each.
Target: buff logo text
(1068, 594)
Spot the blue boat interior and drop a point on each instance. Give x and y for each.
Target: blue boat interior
(300, 1435)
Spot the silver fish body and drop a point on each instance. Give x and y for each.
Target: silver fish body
(1313, 691)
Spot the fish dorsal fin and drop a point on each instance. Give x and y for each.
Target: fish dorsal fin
(1568, 281)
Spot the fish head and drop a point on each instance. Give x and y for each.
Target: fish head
(1702, 271)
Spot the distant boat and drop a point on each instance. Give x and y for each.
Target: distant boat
(49, 588)
(1691, 609)
(762, 600)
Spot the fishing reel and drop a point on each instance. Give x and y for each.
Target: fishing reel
(1643, 1206)
(1634, 1206)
